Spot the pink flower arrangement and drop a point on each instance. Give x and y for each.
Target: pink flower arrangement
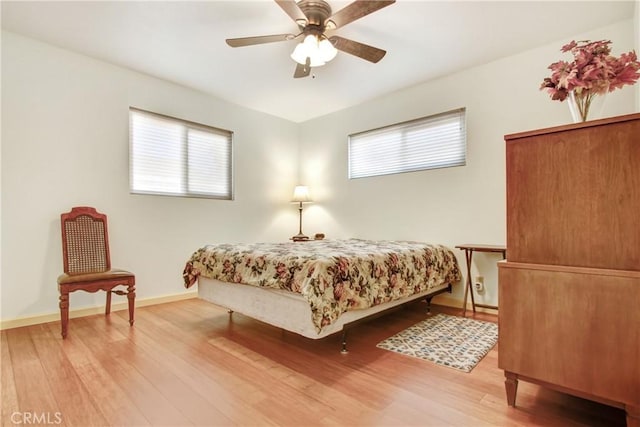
(593, 71)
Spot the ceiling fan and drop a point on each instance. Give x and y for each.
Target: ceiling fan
(314, 17)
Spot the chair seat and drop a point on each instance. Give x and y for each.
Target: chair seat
(66, 279)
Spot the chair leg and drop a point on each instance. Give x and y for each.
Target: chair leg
(131, 298)
(107, 309)
(64, 312)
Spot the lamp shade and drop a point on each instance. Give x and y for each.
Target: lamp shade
(318, 49)
(301, 194)
(327, 51)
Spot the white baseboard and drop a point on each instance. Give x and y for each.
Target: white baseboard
(115, 306)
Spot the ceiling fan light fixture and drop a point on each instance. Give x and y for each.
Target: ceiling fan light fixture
(327, 50)
(317, 48)
(300, 55)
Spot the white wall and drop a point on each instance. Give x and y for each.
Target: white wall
(455, 205)
(65, 143)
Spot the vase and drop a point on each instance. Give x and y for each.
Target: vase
(585, 106)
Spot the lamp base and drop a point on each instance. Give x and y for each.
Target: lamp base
(299, 238)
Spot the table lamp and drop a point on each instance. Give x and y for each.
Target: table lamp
(300, 195)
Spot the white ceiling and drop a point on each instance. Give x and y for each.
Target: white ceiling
(184, 42)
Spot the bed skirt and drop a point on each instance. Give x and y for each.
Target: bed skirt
(288, 310)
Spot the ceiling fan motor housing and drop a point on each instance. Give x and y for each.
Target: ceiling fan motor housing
(317, 12)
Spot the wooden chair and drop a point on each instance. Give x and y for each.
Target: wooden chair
(87, 264)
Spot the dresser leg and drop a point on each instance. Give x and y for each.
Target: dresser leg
(511, 387)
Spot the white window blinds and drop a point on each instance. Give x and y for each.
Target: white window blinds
(178, 158)
(431, 142)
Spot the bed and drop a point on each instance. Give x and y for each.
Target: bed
(320, 287)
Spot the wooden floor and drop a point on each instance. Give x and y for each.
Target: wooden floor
(187, 363)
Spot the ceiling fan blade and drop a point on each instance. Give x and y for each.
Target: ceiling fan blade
(303, 70)
(355, 10)
(248, 41)
(292, 9)
(370, 53)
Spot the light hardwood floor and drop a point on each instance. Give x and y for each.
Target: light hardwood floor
(187, 363)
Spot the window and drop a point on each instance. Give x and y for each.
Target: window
(178, 158)
(428, 143)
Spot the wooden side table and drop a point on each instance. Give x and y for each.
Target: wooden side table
(468, 252)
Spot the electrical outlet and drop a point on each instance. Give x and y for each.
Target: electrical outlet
(479, 283)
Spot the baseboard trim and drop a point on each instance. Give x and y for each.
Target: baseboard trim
(115, 306)
(448, 301)
(442, 299)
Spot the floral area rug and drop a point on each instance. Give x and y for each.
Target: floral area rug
(456, 342)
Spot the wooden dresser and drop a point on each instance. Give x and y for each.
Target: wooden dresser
(569, 290)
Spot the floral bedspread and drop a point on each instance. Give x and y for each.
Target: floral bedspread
(332, 275)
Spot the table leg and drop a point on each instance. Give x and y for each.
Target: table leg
(468, 254)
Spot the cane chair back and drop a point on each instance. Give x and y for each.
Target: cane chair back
(85, 241)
